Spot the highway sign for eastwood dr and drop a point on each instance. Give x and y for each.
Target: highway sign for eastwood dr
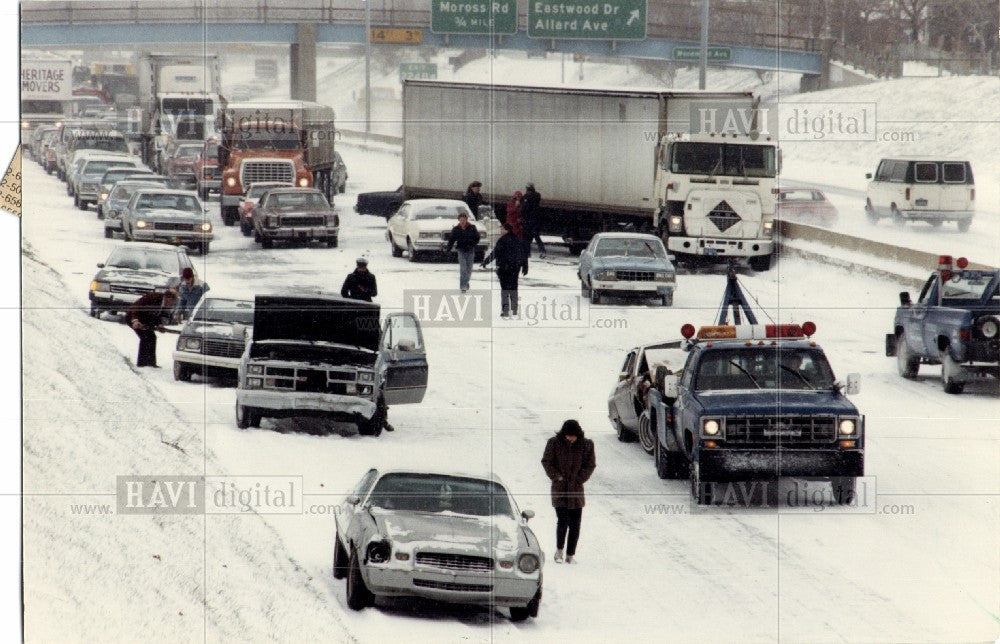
(474, 17)
(715, 54)
(583, 20)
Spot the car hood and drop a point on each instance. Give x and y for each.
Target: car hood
(121, 275)
(221, 330)
(185, 216)
(632, 263)
(752, 402)
(460, 533)
(436, 225)
(326, 319)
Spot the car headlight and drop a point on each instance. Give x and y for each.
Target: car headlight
(675, 224)
(605, 276)
(99, 286)
(366, 376)
(231, 181)
(378, 552)
(192, 344)
(428, 235)
(303, 182)
(848, 427)
(140, 224)
(711, 427)
(206, 227)
(254, 383)
(256, 369)
(527, 563)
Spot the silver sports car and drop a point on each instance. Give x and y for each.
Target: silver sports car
(449, 537)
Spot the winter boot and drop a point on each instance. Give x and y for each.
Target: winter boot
(558, 557)
(570, 559)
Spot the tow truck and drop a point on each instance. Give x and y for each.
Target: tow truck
(955, 322)
(754, 402)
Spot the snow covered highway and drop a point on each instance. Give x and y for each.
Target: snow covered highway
(917, 560)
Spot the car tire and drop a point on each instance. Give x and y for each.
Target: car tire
(204, 247)
(413, 254)
(373, 426)
(247, 417)
(870, 213)
(531, 610)
(907, 364)
(897, 217)
(340, 560)
(700, 490)
(761, 263)
(844, 489)
(95, 311)
(267, 243)
(963, 226)
(76, 201)
(396, 250)
(624, 435)
(108, 233)
(83, 204)
(343, 188)
(584, 291)
(951, 372)
(667, 300)
(203, 194)
(358, 595)
(181, 372)
(246, 228)
(332, 242)
(647, 435)
(595, 296)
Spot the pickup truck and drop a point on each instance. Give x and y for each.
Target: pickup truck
(955, 322)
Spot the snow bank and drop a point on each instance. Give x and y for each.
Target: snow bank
(95, 576)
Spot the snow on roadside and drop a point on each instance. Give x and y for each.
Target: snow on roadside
(96, 576)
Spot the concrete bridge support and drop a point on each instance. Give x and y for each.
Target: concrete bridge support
(302, 64)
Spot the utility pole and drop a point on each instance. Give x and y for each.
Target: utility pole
(368, 65)
(703, 67)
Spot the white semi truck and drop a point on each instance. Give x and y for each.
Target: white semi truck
(689, 165)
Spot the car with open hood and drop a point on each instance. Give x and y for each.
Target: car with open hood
(131, 271)
(294, 215)
(449, 537)
(168, 216)
(627, 265)
(423, 226)
(326, 356)
(213, 338)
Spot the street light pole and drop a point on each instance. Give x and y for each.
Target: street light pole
(703, 67)
(368, 65)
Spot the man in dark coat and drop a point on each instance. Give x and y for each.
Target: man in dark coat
(144, 316)
(510, 261)
(360, 284)
(568, 461)
(531, 212)
(465, 237)
(472, 198)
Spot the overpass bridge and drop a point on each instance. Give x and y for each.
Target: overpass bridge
(755, 35)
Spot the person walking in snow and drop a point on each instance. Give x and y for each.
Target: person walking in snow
(531, 211)
(145, 316)
(360, 284)
(568, 461)
(510, 261)
(464, 237)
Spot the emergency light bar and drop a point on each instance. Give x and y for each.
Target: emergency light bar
(749, 331)
(945, 265)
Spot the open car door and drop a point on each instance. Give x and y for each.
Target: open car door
(404, 359)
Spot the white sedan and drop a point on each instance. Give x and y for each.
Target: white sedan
(423, 226)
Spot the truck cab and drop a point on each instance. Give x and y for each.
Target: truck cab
(716, 195)
(756, 402)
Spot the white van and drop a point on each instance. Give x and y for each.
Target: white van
(930, 190)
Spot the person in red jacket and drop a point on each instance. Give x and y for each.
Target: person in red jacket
(146, 315)
(568, 461)
(514, 217)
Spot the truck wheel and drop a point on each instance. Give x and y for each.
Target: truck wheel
(843, 489)
(760, 263)
(396, 250)
(870, 213)
(963, 226)
(340, 559)
(906, 363)
(266, 242)
(247, 417)
(373, 426)
(647, 437)
(181, 372)
(624, 435)
(700, 490)
(951, 374)
(358, 595)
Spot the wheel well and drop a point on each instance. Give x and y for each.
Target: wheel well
(943, 343)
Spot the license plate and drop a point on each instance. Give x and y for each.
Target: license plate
(711, 251)
(921, 202)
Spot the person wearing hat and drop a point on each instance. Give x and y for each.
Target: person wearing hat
(531, 212)
(145, 316)
(360, 283)
(465, 237)
(189, 294)
(514, 216)
(568, 461)
(472, 198)
(510, 261)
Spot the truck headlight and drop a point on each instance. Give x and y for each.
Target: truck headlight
(256, 369)
(231, 181)
(711, 427)
(192, 344)
(364, 390)
(848, 427)
(366, 376)
(675, 224)
(254, 383)
(206, 227)
(527, 563)
(140, 224)
(303, 182)
(768, 227)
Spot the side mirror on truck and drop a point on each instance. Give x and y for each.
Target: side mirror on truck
(868, 175)
(670, 387)
(853, 384)
(904, 298)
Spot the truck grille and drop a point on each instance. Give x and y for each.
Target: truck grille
(222, 348)
(172, 226)
(254, 171)
(454, 562)
(132, 290)
(781, 429)
(634, 276)
(445, 585)
(321, 381)
(302, 221)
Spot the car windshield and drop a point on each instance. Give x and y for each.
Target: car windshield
(188, 152)
(624, 247)
(228, 311)
(125, 191)
(763, 368)
(139, 259)
(100, 167)
(442, 212)
(212, 151)
(296, 201)
(723, 159)
(167, 201)
(965, 286)
(437, 493)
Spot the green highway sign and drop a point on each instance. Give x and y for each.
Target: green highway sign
(474, 16)
(418, 70)
(693, 54)
(587, 20)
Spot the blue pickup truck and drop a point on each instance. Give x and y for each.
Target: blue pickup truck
(955, 322)
(752, 403)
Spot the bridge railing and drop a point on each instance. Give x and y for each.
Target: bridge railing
(732, 22)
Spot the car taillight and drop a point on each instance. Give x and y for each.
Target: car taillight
(965, 334)
(907, 194)
(972, 194)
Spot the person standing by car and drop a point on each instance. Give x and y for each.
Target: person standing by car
(568, 461)
(465, 237)
(472, 198)
(514, 216)
(531, 211)
(145, 316)
(510, 260)
(189, 293)
(360, 284)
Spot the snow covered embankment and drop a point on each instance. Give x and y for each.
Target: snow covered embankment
(94, 576)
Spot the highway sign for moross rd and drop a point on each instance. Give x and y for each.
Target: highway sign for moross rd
(474, 17)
